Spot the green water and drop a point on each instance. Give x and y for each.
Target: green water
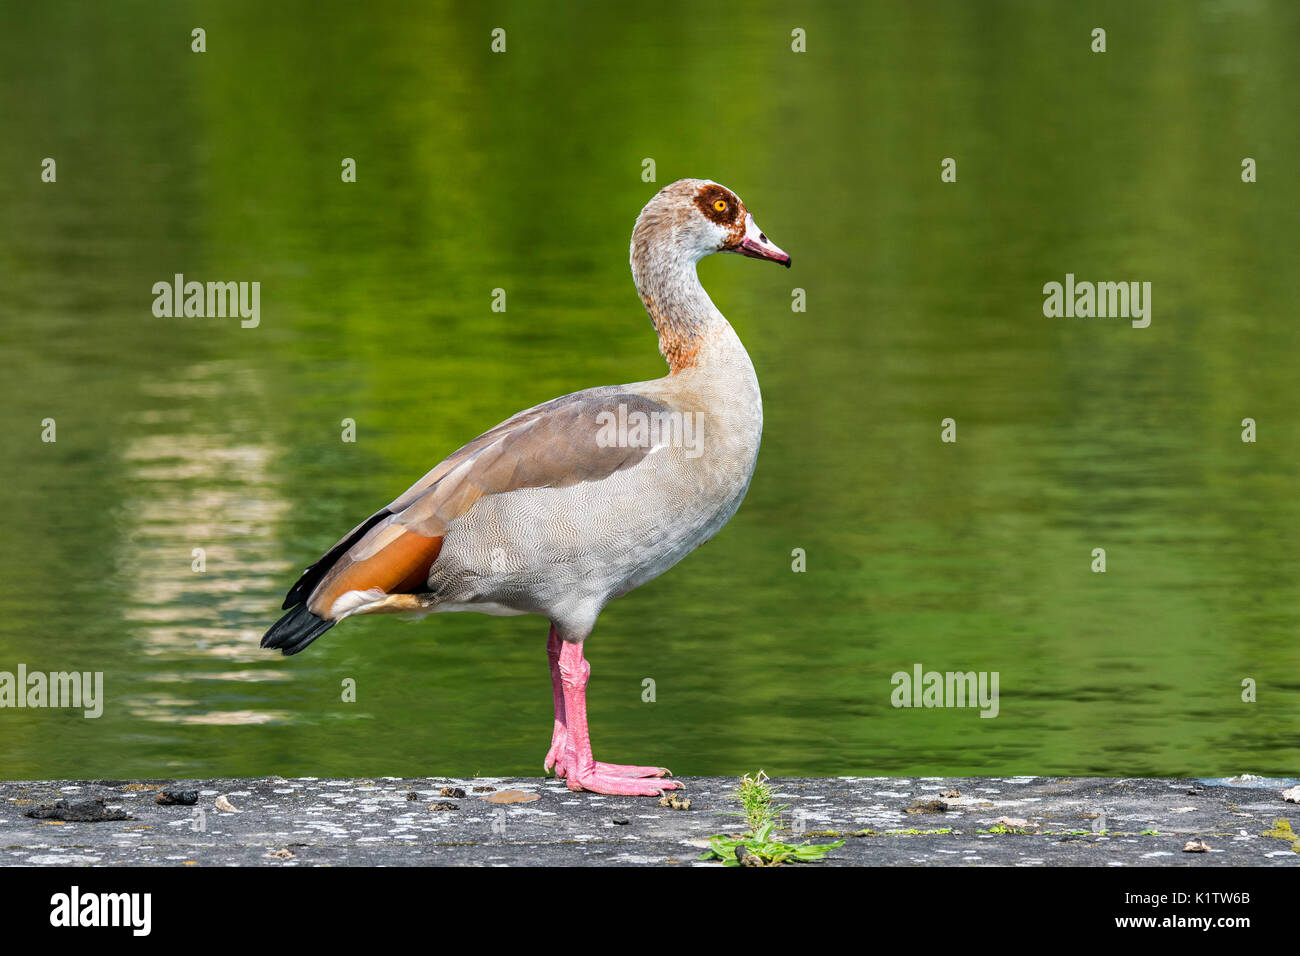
(522, 171)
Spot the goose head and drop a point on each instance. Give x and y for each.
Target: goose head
(693, 218)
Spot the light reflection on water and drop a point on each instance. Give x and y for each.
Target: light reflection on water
(213, 493)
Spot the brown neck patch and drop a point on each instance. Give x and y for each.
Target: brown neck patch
(679, 342)
(682, 352)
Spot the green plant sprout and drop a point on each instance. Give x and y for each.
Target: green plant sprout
(755, 847)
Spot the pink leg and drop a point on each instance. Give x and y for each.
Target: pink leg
(581, 771)
(555, 756)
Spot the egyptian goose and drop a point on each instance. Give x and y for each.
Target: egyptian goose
(568, 505)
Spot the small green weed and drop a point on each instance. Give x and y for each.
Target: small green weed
(756, 847)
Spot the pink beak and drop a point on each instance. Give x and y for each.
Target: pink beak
(756, 245)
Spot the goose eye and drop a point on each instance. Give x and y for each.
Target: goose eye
(720, 205)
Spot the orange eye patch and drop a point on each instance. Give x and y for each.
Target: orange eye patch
(720, 205)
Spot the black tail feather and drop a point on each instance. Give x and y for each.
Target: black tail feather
(312, 576)
(293, 632)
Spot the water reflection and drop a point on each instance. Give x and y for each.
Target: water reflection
(196, 486)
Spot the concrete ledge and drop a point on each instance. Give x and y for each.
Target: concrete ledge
(389, 821)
